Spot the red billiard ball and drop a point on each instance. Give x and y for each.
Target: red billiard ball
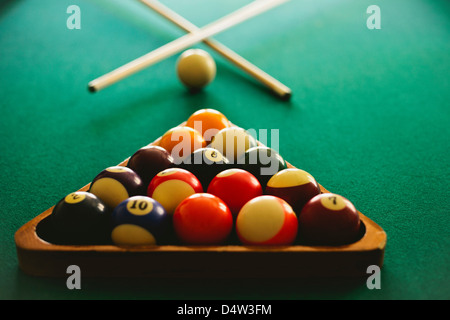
(115, 184)
(293, 185)
(202, 219)
(173, 185)
(267, 220)
(329, 219)
(148, 161)
(235, 187)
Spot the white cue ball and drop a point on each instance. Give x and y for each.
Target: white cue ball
(196, 68)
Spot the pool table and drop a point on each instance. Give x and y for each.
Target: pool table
(369, 118)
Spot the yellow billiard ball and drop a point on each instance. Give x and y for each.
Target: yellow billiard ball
(196, 68)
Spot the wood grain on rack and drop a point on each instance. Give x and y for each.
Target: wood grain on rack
(40, 258)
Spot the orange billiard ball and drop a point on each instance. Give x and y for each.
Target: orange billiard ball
(181, 141)
(208, 122)
(267, 220)
(329, 219)
(202, 219)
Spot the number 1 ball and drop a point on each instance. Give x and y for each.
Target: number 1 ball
(202, 219)
(329, 219)
(139, 220)
(267, 220)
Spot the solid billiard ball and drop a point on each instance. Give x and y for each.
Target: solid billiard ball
(139, 220)
(115, 184)
(148, 161)
(267, 220)
(263, 163)
(329, 219)
(181, 141)
(208, 122)
(202, 219)
(80, 218)
(196, 68)
(205, 164)
(173, 185)
(233, 142)
(293, 185)
(235, 187)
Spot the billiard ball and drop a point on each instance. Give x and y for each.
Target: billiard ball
(208, 122)
(263, 163)
(329, 219)
(148, 161)
(181, 141)
(267, 220)
(205, 164)
(233, 142)
(293, 185)
(139, 220)
(173, 185)
(80, 218)
(196, 68)
(115, 184)
(235, 187)
(202, 219)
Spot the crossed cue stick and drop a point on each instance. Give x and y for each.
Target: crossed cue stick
(194, 36)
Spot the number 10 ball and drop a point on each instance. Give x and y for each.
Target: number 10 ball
(139, 220)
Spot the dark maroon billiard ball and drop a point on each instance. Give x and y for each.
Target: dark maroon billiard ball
(148, 161)
(329, 219)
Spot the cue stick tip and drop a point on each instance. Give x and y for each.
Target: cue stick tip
(92, 88)
(287, 96)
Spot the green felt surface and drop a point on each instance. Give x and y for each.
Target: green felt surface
(369, 119)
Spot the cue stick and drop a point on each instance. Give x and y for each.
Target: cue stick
(276, 86)
(171, 48)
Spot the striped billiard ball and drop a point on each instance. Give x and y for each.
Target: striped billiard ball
(139, 220)
(173, 185)
(115, 184)
(293, 185)
(233, 142)
(267, 220)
